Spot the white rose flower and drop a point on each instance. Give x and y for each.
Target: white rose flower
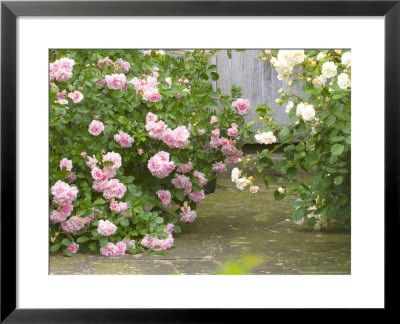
(319, 81)
(346, 59)
(308, 113)
(321, 55)
(265, 138)
(254, 189)
(329, 69)
(344, 81)
(281, 190)
(241, 183)
(299, 109)
(235, 174)
(289, 106)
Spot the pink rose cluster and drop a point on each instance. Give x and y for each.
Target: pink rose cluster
(202, 179)
(125, 66)
(120, 248)
(101, 62)
(242, 106)
(157, 244)
(177, 138)
(76, 223)
(147, 87)
(187, 215)
(104, 182)
(185, 168)
(228, 145)
(159, 165)
(124, 139)
(197, 196)
(67, 164)
(61, 69)
(181, 181)
(219, 167)
(63, 194)
(119, 207)
(165, 197)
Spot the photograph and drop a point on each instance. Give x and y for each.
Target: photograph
(199, 161)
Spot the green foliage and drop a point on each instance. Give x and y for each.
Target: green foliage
(321, 145)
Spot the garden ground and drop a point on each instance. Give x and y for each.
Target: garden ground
(231, 224)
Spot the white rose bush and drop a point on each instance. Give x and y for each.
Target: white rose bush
(318, 140)
(135, 136)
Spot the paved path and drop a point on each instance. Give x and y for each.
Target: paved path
(230, 224)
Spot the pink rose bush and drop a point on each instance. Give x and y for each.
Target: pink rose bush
(132, 156)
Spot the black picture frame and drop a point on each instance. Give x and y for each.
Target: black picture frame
(9, 13)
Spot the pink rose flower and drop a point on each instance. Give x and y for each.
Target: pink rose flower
(152, 95)
(213, 120)
(165, 197)
(119, 207)
(63, 194)
(73, 248)
(106, 228)
(76, 96)
(219, 167)
(116, 81)
(242, 106)
(105, 60)
(96, 127)
(57, 217)
(159, 165)
(185, 168)
(65, 163)
(115, 158)
(71, 177)
(197, 196)
(123, 139)
(202, 180)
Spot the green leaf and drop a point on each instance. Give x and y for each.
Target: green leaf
(159, 220)
(298, 214)
(124, 222)
(55, 247)
(99, 201)
(66, 242)
(177, 229)
(330, 120)
(82, 239)
(103, 241)
(337, 149)
(311, 222)
(279, 196)
(214, 76)
(338, 180)
(108, 164)
(67, 253)
(93, 246)
(284, 135)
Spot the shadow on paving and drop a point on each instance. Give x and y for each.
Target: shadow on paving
(231, 223)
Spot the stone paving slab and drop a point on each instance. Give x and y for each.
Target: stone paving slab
(231, 223)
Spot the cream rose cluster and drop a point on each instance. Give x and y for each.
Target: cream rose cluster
(285, 62)
(265, 138)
